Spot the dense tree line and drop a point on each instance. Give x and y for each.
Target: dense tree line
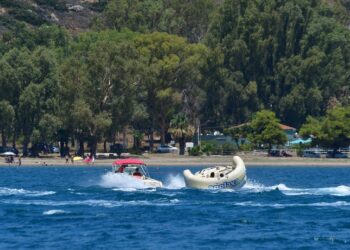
(171, 66)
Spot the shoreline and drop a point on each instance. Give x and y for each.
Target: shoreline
(171, 160)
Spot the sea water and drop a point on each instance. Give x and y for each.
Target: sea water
(90, 208)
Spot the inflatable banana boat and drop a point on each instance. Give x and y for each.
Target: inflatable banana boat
(232, 177)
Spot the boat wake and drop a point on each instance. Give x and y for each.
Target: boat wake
(285, 205)
(128, 183)
(121, 181)
(90, 203)
(255, 187)
(23, 192)
(174, 182)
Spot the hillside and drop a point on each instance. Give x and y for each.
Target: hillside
(75, 15)
(152, 65)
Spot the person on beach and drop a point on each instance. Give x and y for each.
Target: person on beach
(89, 159)
(19, 161)
(66, 158)
(72, 159)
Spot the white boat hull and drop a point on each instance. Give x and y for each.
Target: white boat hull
(232, 177)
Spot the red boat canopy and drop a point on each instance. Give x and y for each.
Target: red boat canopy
(129, 161)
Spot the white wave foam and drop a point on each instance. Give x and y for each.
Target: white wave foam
(174, 182)
(125, 189)
(255, 187)
(93, 203)
(54, 211)
(281, 205)
(14, 191)
(336, 191)
(123, 181)
(144, 190)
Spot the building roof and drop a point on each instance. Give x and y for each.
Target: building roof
(282, 126)
(286, 127)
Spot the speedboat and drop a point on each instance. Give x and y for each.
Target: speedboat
(137, 169)
(233, 177)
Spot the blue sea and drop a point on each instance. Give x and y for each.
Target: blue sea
(90, 208)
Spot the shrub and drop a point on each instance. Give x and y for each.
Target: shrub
(208, 147)
(246, 147)
(228, 149)
(195, 151)
(135, 151)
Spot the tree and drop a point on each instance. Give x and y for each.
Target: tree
(7, 115)
(81, 116)
(265, 129)
(190, 19)
(331, 131)
(182, 130)
(29, 110)
(238, 132)
(17, 72)
(171, 69)
(99, 79)
(48, 127)
(295, 53)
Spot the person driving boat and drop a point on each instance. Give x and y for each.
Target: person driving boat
(137, 172)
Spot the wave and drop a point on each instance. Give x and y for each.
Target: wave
(54, 211)
(282, 205)
(14, 191)
(93, 203)
(255, 187)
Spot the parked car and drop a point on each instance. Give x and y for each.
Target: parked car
(337, 154)
(311, 154)
(166, 149)
(275, 153)
(55, 149)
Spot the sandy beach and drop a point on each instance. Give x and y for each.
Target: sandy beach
(176, 160)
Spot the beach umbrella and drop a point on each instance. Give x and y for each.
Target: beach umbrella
(8, 154)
